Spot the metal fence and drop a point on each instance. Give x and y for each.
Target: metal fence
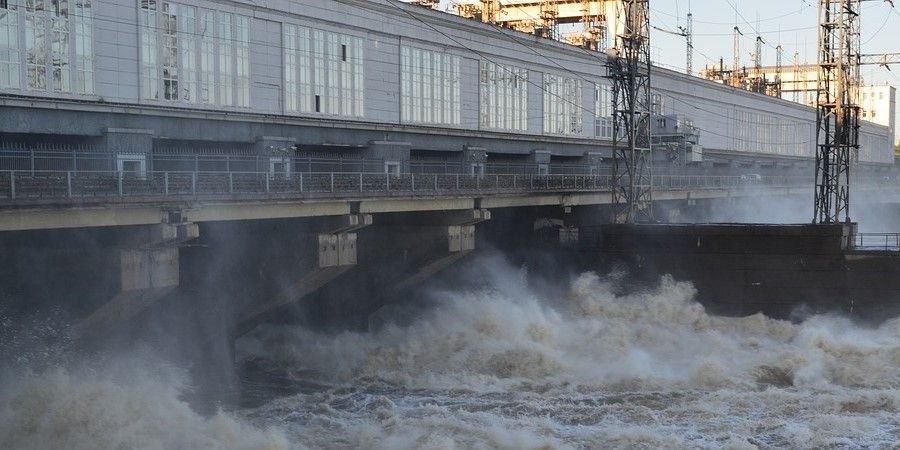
(876, 241)
(22, 185)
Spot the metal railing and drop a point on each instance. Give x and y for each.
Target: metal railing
(52, 185)
(876, 241)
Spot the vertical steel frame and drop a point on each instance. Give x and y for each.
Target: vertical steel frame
(629, 69)
(837, 117)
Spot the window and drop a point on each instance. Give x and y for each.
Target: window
(191, 58)
(323, 72)
(9, 45)
(242, 61)
(131, 165)
(562, 105)
(603, 111)
(656, 103)
(477, 169)
(169, 18)
(392, 167)
(280, 167)
(82, 25)
(207, 88)
(187, 36)
(504, 96)
(225, 42)
(149, 72)
(429, 86)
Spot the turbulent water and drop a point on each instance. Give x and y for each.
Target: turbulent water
(502, 365)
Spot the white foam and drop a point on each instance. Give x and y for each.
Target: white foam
(132, 409)
(592, 369)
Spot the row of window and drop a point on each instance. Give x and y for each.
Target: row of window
(603, 111)
(323, 72)
(198, 55)
(46, 45)
(429, 86)
(763, 133)
(562, 105)
(194, 55)
(504, 96)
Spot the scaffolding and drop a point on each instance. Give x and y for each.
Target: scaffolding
(544, 17)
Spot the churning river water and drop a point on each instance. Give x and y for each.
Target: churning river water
(502, 366)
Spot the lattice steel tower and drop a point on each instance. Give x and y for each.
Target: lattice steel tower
(837, 118)
(629, 69)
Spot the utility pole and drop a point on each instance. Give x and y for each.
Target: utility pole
(689, 34)
(779, 56)
(628, 66)
(757, 54)
(795, 78)
(736, 65)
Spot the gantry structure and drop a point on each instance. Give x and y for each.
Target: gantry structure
(543, 18)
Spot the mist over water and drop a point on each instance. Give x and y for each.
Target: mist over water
(499, 362)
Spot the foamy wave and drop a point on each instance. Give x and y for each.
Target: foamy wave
(502, 367)
(657, 338)
(88, 410)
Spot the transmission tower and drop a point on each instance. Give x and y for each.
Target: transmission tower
(779, 60)
(757, 54)
(736, 65)
(837, 117)
(689, 34)
(629, 69)
(795, 78)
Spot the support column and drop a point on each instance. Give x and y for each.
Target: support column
(473, 159)
(431, 242)
(128, 140)
(148, 270)
(274, 153)
(391, 152)
(541, 159)
(335, 254)
(594, 162)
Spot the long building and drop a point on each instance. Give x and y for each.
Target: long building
(375, 79)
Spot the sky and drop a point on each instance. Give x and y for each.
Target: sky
(791, 23)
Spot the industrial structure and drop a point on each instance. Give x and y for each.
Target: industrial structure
(594, 18)
(246, 148)
(415, 90)
(799, 83)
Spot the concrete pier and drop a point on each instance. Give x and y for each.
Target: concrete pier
(783, 271)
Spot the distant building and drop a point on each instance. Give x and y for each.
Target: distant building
(878, 104)
(800, 84)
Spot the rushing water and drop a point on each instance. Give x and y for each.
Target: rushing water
(506, 366)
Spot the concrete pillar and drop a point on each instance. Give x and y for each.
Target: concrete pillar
(335, 254)
(148, 270)
(541, 159)
(395, 154)
(274, 150)
(473, 159)
(594, 162)
(128, 140)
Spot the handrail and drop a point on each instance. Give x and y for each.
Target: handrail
(876, 241)
(22, 185)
